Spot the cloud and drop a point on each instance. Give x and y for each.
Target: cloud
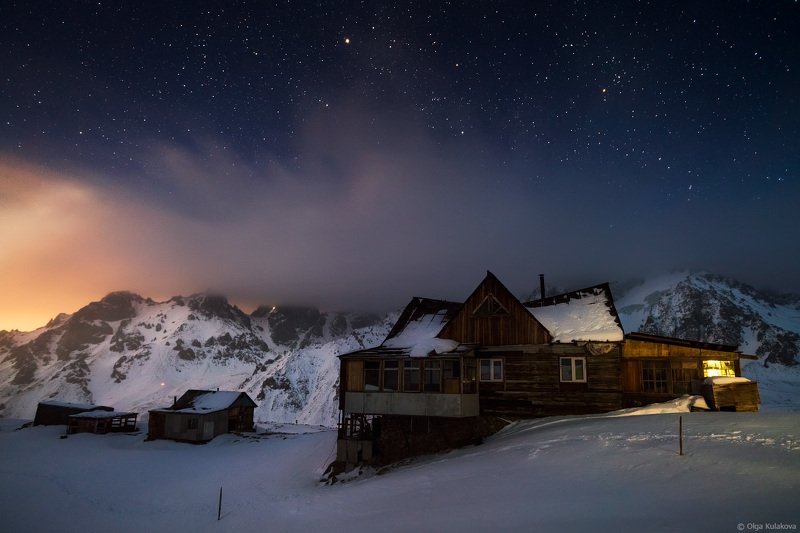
(372, 212)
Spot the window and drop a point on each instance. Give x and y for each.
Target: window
(682, 375)
(491, 370)
(490, 307)
(451, 376)
(191, 423)
(372, 375)
(654, 376)
(573, 369)
(469, 386)
(390, 375)
(718, 368)
(411, 376)
(433, 376)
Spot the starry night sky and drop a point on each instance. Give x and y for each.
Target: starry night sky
(351, 155)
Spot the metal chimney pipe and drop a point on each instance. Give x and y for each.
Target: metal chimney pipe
(541, 285)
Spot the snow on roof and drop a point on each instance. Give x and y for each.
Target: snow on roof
(86, 406)
(101, 414)
(585, 315)
(419, 336)
(724, 380)
(210, 401)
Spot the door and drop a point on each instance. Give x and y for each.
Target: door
(208, 430)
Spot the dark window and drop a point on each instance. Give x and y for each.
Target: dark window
(654, 376)
(191, 423)
(411, 376)
(372, 375)
(390, 375)
(451, 377)
(573, 369)
(682, 376)
(433, 376)
(469, 385)
(491, 370)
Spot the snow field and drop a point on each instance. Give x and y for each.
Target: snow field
(594, 473)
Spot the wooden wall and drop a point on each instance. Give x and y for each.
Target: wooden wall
(640, 348)
(532, 385)
(517, 327)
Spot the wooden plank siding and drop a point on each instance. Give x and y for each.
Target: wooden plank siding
(532, 385)
(638, 349)
(517, 327)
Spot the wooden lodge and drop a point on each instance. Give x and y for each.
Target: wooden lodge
(451, 373)
(101, 422)
(201, 415)
(57, 413)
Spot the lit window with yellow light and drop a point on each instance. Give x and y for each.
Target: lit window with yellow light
(713, 368)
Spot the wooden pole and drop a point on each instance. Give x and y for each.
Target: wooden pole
(680, 433)
(219, 508)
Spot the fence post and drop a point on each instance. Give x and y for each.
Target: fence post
(219, 508)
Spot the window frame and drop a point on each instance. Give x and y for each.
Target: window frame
(490, 307)
(718, 367)
(391, 370)
(492, 377)
(432, 369)
(573, 366)
(372, 370)
(410, 368)
(651, 372)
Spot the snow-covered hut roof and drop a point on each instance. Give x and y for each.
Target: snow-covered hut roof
(583, 315)
(70, 405)
(205, 401)
(415, 332)
(102, 414)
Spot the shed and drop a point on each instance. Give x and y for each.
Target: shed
(201, 415)
(731, 393)
(57, 413)
(101, 422)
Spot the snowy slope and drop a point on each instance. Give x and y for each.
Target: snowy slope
(136, 354)
(599, 473)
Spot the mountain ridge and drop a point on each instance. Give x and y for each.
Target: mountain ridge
(136, 354)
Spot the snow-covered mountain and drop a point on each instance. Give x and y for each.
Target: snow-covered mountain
(136, 354)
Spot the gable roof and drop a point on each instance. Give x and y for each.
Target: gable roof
(206, 401)
(493, 316)
(415, 334)
(423, 312)
(583, 315)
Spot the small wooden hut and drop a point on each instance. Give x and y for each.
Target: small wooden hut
(731, 394)
(101, 422)
(57, 413)
(201, 415)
